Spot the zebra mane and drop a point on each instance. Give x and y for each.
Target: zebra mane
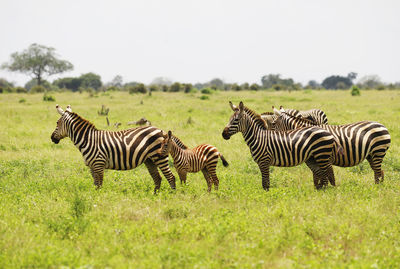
(300, 119)
(179, 142)
(256, 117)
(267, 113)
(76, 117)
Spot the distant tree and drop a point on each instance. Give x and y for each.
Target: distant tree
(254, 87)
(236, 87)
(70, 83)
(138, 88)
(312, 84)
(352, 76)
(117, 81)
(164, 88)
(370, 82)
(161, 81)
(4, 83)
(355, 91)
(176, 87)
(199, 86)
(333, 82)
(217, 83)
(154, 88)
(272, 79)
(33, 82)
(245, 86)
(91, 80)
(187, 87)
(37, 61)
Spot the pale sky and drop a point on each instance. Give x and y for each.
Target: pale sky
(195, 41)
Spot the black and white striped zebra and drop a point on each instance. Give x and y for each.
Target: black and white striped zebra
(316, 115)
(117, 150)
(311, 145)
(201, 158)
(360, 140)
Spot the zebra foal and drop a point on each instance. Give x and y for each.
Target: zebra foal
(360, 140)
(117, 150)
(203, 157)
(311, 145)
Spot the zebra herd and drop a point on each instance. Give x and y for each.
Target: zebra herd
(280, 138)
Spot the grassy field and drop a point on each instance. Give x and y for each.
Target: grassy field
(52, 216)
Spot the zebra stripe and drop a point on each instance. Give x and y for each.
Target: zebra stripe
(201, 158)
(316, 115)
(360, 140)
(120, 150)
(311, 145)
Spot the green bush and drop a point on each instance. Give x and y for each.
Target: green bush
(204, 97)
(207, 91)
(254, 87)
(139, 88)
(22, 100)
(48, 98)
(37, 89)
(20, 90)
(355, 91)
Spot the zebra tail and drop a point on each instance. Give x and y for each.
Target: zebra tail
(224, 162)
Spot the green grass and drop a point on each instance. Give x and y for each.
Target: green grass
(52, 216)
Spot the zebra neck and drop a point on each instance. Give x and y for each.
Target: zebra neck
(175, 150)
(82, 133)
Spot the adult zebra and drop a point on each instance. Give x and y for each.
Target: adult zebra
(202, 158)
(360, 140)
(311, 145)
(120, 150)
(316, 115)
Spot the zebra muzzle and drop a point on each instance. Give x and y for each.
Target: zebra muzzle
(225, 133)
(55, 140)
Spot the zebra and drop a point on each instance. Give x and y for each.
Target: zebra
(311, 145)
(360, 140)
(117, 150)
(316, 115)
(203, 157)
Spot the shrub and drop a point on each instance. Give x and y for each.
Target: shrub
(139, 88)
(204, 97)
(176, 87)
(355, 91)
(1, 89)
(380, 87)
(20, 90)
(48, 98)
(37, 89)
(206, 91)
(254, 87)
(22, 100)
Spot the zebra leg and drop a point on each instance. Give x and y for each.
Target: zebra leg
(321, 176)
(264, 169)
(212, 171)
(163, 165)
(97, 174)
(182, 176)
(208, 178)
(375, 162)
(152, 168)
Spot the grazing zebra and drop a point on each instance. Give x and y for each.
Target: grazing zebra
(119, 150)
(316, 115)
(360, 140)
(311, 145)
(203, 157)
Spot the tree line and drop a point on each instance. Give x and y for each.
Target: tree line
(40, 61)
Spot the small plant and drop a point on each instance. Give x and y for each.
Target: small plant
(37, 89)
(355, 91)
(103, 111)
(48, 98)
(22, 100)
(204, 97)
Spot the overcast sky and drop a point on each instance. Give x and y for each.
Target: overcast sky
(195, 41)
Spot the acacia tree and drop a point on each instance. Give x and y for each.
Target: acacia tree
(37, 61)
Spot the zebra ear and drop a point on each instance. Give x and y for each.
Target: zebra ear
(282, 109)
(68, 108)
(233, 107)
(59, 110)
(276, 111)
(169, 134)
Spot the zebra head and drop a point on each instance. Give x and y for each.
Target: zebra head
(61, 130)
(166, 144)
(234, 122)
(280, 123)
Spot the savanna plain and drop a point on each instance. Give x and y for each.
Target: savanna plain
(52, 216)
